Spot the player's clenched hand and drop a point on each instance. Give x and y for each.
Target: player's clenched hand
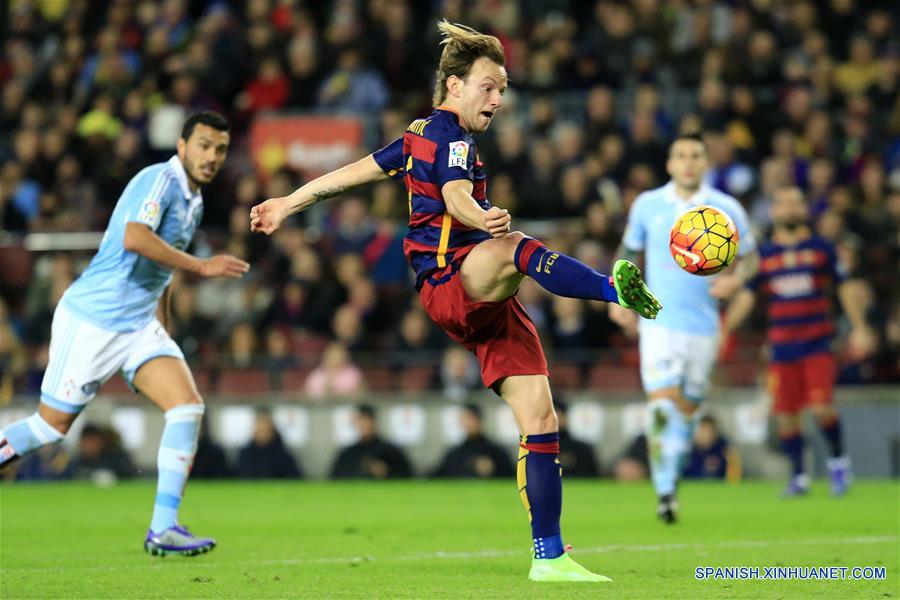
(267, 217)
(725, 286)
(862, 343)
(496, 221)
(625, 318)
(223, 265)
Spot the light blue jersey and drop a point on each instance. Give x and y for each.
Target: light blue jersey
(687, 304)
(120, 290)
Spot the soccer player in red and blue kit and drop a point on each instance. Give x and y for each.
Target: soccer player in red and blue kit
(798, 273)
(469, 266)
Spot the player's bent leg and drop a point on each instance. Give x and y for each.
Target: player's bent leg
(60, 421)
(530, 399)
(668, 438)
(539, 477)
(489, 272)
(502, 258)
(167, 381)
(493, 270)
(46, 426)
(74, 373)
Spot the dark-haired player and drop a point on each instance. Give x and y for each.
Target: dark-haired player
(798, 272)
(678, 350)
(469, 266)
(108, 321)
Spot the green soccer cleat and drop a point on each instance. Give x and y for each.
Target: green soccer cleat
(561, 568)
(632, 290)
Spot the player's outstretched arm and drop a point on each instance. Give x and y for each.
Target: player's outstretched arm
(465, 209)
(268, 216)
(739, 309)
(140, 239)
(728, 283)
(855, 295)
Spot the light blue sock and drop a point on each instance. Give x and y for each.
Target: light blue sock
(668, 434)
(28, 435)
(176, 455)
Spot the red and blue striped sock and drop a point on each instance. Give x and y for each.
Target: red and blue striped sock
(540, 488)
(563, 275)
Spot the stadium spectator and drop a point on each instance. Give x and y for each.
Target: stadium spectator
(50, 463)
(634, 463)
(711, 456)
(266, 456)
(353, 88)
(290, 307)
(370, 457)
(459, 374)
(861, 71)
(242, 346)
(576, 458)
(269, 90)
(727, 174)
(335, 376)
(13, 359)
(278, 357)
(570, 331)
(187, 327)
(476, 456)
(303, 71)
(210, 461)
(101, 457)
(416, 342)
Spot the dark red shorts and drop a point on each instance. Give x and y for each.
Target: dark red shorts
(802, 383)
(501, 334)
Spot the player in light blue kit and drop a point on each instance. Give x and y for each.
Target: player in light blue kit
(109, 320)
(678, 350)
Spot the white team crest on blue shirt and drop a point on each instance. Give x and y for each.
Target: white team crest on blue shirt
(459, 153)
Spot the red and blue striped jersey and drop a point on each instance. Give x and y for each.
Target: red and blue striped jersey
(432, 152)
(798, 282)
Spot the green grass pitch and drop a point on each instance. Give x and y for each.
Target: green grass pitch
(438, 540)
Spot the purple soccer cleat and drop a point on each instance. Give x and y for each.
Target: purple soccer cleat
(797, 486)
(839, 475)
(177, 540)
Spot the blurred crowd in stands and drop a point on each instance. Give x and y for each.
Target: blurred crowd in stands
(101, 458)
(797, 91)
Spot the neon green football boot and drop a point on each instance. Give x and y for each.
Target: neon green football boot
(561, 568)
(632, 291)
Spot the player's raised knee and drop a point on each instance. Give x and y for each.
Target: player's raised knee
(506, 246)
(514, 237)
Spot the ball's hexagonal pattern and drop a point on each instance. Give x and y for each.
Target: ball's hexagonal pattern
(703, 240)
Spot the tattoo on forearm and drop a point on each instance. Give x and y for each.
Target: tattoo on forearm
(329, 192)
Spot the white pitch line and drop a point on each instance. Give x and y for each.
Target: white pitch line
(451, 555)
(440, 554)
